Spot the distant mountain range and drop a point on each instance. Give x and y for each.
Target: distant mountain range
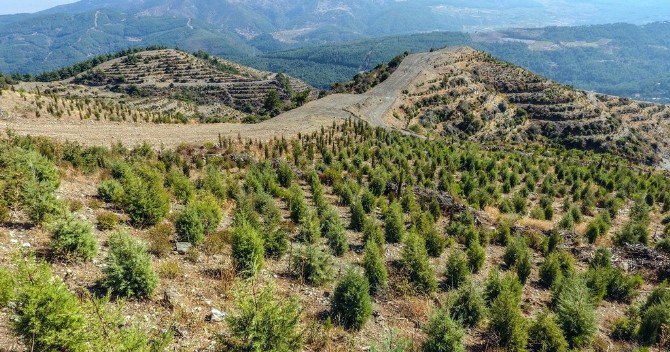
(69, 33)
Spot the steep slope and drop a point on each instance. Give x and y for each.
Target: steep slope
(469, 94)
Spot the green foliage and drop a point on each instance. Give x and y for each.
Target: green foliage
(368, 201)
(107, 220)
(575, 312)
(334, 232)
(144, 198)
(372, 231)
(6, 287)
(545, 335)
(351, 305)
(285, 174)
(457, 272)
(28, 183)
(556, 266)
(655, 315)
(394, 224)
(518, 255)
(297, 205)
(375, 268)
(128, 272)
(443, 334)
(633, 232)
(357, 216)
(247, 250)
(495, 285)
(310, 229)
(264, 322)
(276, 243)
(598, 227)
(415, 265)
(73, 239)
(468, 306)
(189, 226)
(313, 265)
(507, 322)
(476, 256)
(180, 186)
(435, 242)
(111, 191)
(48, 316)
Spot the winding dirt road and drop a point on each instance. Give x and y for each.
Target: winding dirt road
(373, 106)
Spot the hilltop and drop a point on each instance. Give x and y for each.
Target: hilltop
(456, 92)
(167, 85)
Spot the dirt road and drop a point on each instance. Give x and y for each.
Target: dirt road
(373, 107)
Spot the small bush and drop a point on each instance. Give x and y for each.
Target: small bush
(394, 224)
(160, 239)
(351, 305)
(516, 249)
(276, 243)
(556, 266)
(443, 334)
(128, 272)
(313, 265)
(189, 226)
(415, 265)
(468, 306)
(575, 312)
(507, 322)
(333, 230)
(495, 285)
(310, 229)
(73, 239)
(110, 191)
(357, 216)
(146, 200)
(47, 316)
(264, 322)
(523, 267)
(285, 174)
(545, 335)
(632, 233)
(180, 186)
(368, 201)
(476, 256)
(375, 269)
(247, 250)
(435, 242)
(107, 220)
(6, 287)
(297, 205)
(457, 272)
(372, 231)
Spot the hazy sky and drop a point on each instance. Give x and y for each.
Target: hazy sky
(17, 6)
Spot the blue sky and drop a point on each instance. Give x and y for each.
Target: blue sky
(17, 6)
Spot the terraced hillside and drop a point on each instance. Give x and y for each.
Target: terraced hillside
(181, 86)
(456, 92)
(469, 94)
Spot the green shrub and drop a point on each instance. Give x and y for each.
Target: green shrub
(357, 216)
(189, 226)
(209, 211)
(247, 250)
(110, 191)
(435, 242)
(545, 335)
(602, 258)
(372, 231)
(622, 287)
(495, 285)
(507, 322)
(575, 312)
(264, 322)
(556, 266)
(394, 223)
(6, 287)
(633, 232)
(145, 199)
(415, 265)
(310, 229)
(598, 227)
(476, 256)
(516, 249)
(297, 205)
(313, 265)
(375, 268)
(523, 267)
(333, 230)
(128, 271)
(624, 329)
(285, 174)
(160, 239)
(73, 239)
(181, 187)
(443, 334)
(655, 321)
(276, 243)
(47, 316)
(107, 220)
(368, 201)
(468, 306)
(457, 272)
(351, 305)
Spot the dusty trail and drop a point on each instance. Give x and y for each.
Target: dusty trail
(373, 107)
